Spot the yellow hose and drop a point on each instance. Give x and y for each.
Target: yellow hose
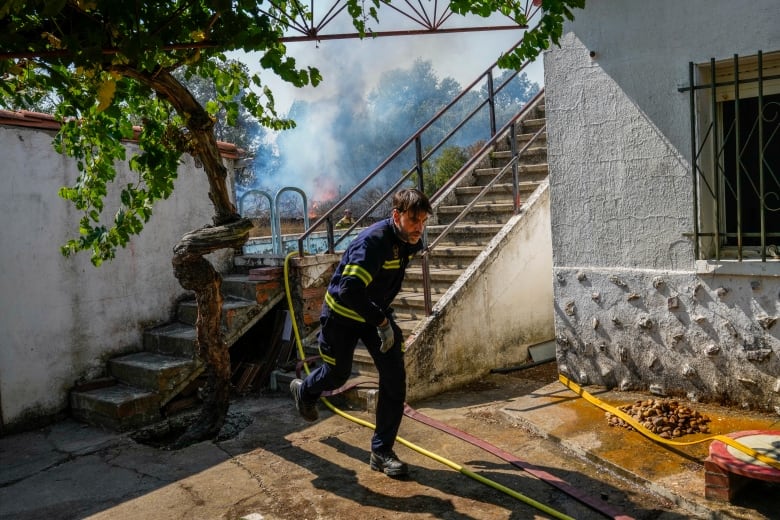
(515, 494)
(647, 433)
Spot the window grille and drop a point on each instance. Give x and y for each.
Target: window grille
(735, 150)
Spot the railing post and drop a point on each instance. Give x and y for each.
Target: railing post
(331, 239)
(426, 276)
(761, 185)
(694, 159)
(491, 103)
(419, 163)
(515, 175)
(715, 157)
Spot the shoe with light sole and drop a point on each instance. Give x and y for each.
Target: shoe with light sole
(307, 410)
(389, 464)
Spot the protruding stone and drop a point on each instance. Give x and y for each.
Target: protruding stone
(644, 322)
(688, 371)
(561, 278)
(631, 296)
(699, 318)
(595, 323)
(755, 285)
(596, 297)
(678, 336)
(616, 321)
(776, 388)
(672, 302)
(602, 347)
(658, 282)
(570, 308)
(581, 276)
(730, 329)
(761, 354)
(657, 389)
(712, 349)
(766, 322)
(617, 281)
(583, 377)
(625, 385)
(623, 353)
(721, 292)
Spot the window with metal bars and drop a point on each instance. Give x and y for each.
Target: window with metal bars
(735, 149)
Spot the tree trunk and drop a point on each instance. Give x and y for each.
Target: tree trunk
(193, 271)
(197, 274)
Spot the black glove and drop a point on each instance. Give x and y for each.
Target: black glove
(387, 336)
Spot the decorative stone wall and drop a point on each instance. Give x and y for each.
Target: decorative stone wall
(711, 338)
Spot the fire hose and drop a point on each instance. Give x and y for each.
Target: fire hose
(571, 385)
(598, 505)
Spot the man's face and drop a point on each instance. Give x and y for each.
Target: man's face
(410, 225)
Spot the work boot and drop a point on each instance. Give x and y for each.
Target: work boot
(389, 463)
(307, 410)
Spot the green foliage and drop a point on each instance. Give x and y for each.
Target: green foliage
(97, 62)
(535, 40)
(101, 66)
(438, 171)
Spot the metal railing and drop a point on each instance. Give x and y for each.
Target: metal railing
(733, 161)
(414, 144)
(510, 131)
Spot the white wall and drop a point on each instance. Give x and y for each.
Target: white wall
(633, 309)
(61, 318)
(499, 307)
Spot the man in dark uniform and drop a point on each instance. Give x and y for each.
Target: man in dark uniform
(357, 307)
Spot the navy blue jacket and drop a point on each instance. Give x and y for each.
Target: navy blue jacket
(370, 274)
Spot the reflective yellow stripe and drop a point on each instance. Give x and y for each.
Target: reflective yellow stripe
(392, 264)
(359, 272)
(340, 309)
(327, 359)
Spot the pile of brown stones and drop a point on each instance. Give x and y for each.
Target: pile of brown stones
(667, 419)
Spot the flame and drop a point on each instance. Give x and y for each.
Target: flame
(327, 191)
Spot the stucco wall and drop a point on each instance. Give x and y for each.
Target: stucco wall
(632, 307)
(500, 307)
(61, 317)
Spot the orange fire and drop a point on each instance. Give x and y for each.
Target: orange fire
(327, 191)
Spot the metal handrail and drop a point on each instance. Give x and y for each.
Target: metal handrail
(511, 129)
(327, 218)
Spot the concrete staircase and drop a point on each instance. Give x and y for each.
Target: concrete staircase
(452, 257)
(144, 387)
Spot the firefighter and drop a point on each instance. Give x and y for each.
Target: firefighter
(346, 220)
(357, 307)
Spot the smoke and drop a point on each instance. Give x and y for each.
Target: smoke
(322, 156)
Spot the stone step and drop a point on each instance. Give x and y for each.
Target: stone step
(526, 172)
(173, 339)
(412, 300)
(234, 311)
(498, 192)
(440, 278)
(534, 154)
(480, 213)
(240, 285)
(118, 407)
(533, 124)
(155, 372)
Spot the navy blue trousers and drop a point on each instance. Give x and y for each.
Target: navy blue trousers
(337, 340)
